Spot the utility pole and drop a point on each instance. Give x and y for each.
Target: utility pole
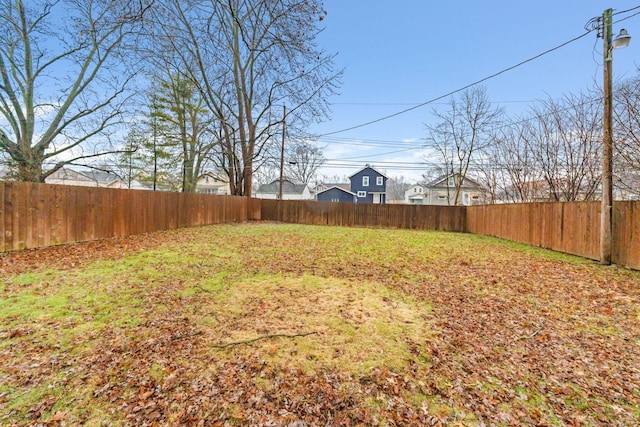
(284, 127)
(606, 224)
(155, 142)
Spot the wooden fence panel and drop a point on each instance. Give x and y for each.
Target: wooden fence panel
(566, 227)
(36, 215)
(5, 217)
(3, 244)
(626, 234)
(19, 217)
(364, 215)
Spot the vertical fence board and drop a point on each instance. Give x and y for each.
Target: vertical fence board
(20, 220)
(39, 216)
(58, 222)
(9, 205)
(107, 210)
(46, 212)
(31, 216)
(3, 229)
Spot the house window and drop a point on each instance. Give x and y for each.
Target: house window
(379, 180)
(362, 193)
(335, 199)
(365, 181)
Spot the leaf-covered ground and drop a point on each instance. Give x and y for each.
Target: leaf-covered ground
(273, 324)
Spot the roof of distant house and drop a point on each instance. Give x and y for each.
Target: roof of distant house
(343, 185)
(100, 176)
(287, 187)
(442, 178)
(215, 176)
(368, 167)
(339, 188)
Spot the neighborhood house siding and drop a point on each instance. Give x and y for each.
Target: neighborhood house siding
(369, 185)
(415, 195)
(336, 194)
(442, 191)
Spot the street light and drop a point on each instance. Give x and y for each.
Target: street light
(606, 225)
(621, 40)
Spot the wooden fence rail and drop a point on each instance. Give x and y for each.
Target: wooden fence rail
(37, 215)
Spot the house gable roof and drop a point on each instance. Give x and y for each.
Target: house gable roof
(327, 185)
(337, 188)
(215, 176)
(287, 187)
(442, 178)
(99, 177)
(414, 186)
(365, 168)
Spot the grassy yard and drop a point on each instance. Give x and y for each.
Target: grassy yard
(272, 324)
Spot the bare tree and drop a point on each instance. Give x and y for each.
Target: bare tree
(396, 186)
(302, 161)
(62, 79)
(249, 58)
(565, 139)
(461, 131)
(627, 139)
(508, 168)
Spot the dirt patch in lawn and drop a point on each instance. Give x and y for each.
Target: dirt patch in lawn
(317, 324)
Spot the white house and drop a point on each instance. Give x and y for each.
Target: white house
(441, 191)
(212, 183)
(415, 195)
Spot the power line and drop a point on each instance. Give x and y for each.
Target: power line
(422, 143)
(625, 18)
(533, 58)
(382, 104)
(625, 11)
(381, 154)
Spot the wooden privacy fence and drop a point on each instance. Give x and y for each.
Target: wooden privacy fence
(572, 228)
(444, 218)
(35, 215)
(626, 234)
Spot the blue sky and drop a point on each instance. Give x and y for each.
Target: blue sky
(403, 53)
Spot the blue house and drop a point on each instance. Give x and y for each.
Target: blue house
(369, 186)
(336, 194)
